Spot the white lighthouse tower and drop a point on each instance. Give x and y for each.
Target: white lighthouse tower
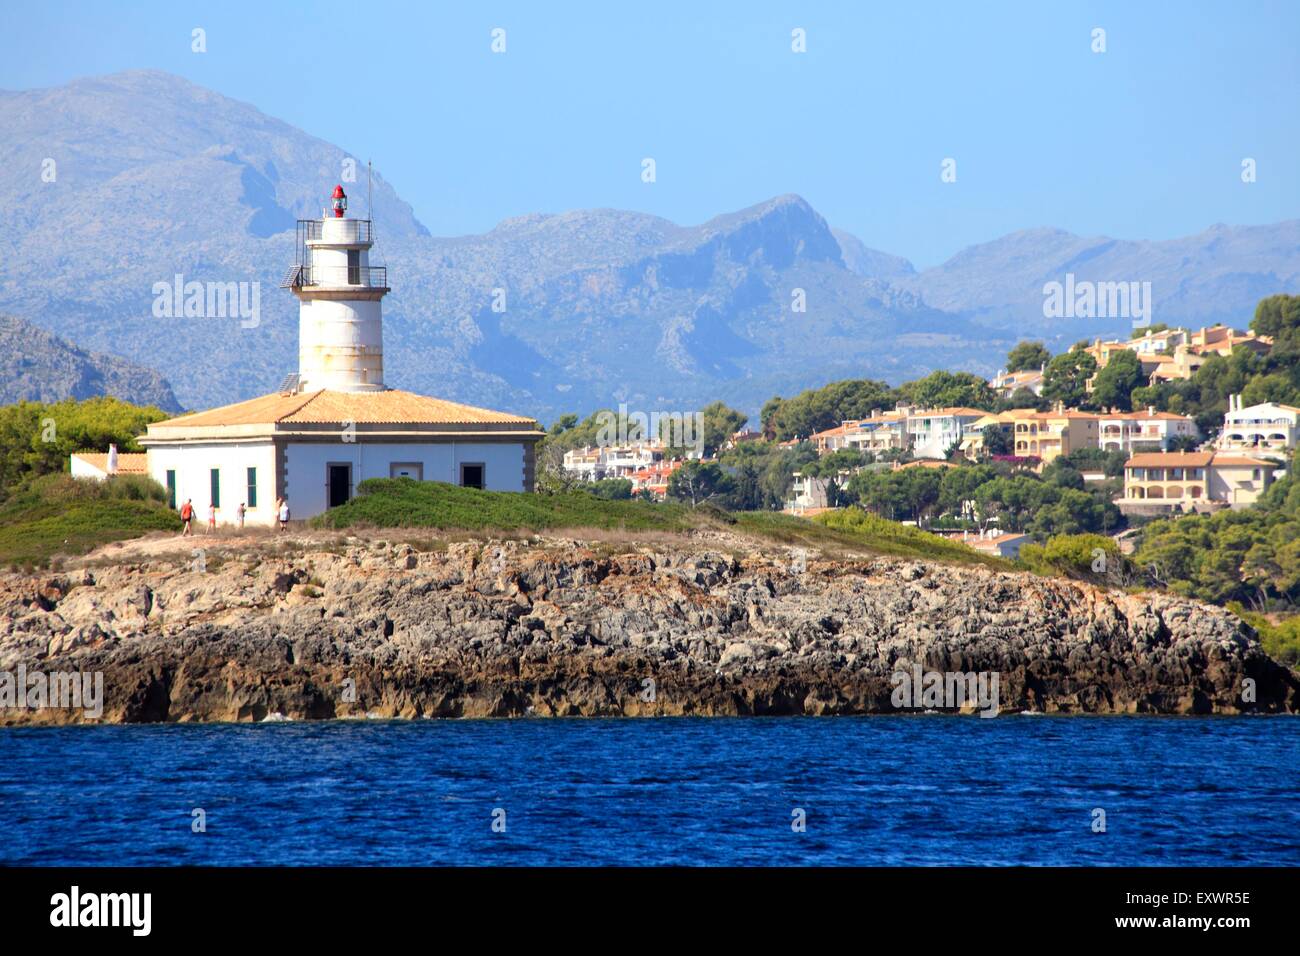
(340, 295)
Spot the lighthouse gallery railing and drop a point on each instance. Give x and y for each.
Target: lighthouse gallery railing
(341, 230)
(373, 277)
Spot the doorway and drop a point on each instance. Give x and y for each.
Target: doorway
(338, 483)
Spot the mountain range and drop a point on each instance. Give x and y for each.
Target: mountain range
(36, 365)
(131, 179)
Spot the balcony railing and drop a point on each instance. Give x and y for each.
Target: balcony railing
(367, 277)
(341, 230)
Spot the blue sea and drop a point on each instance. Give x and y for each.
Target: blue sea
(869, 791)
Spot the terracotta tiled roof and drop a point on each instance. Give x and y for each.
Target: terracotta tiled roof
(924, 463)
(944, 412)
(392, 406)
(128, 463)
(1170, 459)
(1143, 416)
(1241, 461)
(1068, 413)
(830, 432)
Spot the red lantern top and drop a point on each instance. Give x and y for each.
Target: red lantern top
(340, 202)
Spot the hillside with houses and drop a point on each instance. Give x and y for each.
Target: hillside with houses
(1108, 438)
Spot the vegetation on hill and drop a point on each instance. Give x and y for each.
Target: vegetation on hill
(38, 439)
(890, 537)
(59, 514)
(1281, 639)
(1028, 357)
(1091, 557)
(43, 510)
(404, 503)
(1058, 501)
(1274, 377)
(818, 409)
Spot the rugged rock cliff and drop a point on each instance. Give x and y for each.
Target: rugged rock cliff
(551, 627)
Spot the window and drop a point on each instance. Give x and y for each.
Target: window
(171, 487)
(214, 478)
(472, 475)
(252, 488)
(354, 267)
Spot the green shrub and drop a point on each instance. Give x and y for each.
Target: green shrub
(891, 537)
(59, 514)
(1281, 641)
(1089, 556)
(405, 503)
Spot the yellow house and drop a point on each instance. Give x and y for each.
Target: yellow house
(1193, 480)
(1048, 435)
(972, 441)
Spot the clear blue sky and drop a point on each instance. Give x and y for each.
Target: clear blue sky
(1142, 141)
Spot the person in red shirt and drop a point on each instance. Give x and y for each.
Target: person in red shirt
(187, 516)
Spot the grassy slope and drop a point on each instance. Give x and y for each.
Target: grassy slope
(402, 503)
(62, 515)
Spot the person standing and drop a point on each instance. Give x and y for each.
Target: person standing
(284, 513)
(187, 518)
(239, 515)
(212, 519)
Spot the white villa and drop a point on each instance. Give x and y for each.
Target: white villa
(1267, 429)
(334, 423)
(1145, 430)
(1006, 384)
(935, 430)
(593, 463)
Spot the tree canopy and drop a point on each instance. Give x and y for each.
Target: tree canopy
(1028, 356)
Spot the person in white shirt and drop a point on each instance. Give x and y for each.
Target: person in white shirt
(284, 513)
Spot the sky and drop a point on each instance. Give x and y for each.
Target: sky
(1145, 140)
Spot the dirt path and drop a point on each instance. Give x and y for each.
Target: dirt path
(160, 544)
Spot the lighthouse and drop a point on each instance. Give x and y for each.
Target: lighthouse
(340, 303)
(334, 423)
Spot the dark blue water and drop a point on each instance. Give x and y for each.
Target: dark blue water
(876, 791)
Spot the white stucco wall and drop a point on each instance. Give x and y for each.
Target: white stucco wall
(306, 474)
(84, 469)
(193, 464)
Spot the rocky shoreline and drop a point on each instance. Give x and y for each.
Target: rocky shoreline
(552, 627)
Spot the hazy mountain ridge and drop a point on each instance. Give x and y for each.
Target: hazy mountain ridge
(36, 365)
(1214, 276)
(158, 177)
